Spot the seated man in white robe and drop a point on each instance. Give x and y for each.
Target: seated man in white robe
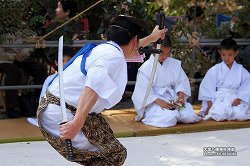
(170, 88)
(225, 89)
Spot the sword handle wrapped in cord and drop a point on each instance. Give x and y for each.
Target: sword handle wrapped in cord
(69, 148)
(160, 18)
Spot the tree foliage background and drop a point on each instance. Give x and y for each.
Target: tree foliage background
(18, 15)
(204, 57)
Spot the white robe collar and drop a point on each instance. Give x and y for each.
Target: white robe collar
(159, 64)
(226, 68)
(116, 45)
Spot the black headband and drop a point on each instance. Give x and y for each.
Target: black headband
(117, 26)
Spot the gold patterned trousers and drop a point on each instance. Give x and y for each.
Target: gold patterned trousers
(98, 133)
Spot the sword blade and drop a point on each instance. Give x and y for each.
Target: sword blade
(68, 142)
(60, 75)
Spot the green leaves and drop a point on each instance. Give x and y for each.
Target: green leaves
(19, 15)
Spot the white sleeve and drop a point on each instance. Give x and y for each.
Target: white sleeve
(101, 77)
(140, 90)
(208, 86)
(243, 91)
(139, 93)
(182, 84)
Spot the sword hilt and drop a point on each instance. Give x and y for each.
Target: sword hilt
(69, 148)
(160, 18)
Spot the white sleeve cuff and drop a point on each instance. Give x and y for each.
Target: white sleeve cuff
(99, 80)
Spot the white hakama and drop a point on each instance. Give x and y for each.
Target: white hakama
(169, 80)
(222, 86)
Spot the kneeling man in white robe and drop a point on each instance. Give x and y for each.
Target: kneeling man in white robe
(225, 89)
(170, 88)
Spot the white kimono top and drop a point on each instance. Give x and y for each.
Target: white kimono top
(220, 78)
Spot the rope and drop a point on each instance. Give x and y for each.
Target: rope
(194, 40)
(40, 41)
